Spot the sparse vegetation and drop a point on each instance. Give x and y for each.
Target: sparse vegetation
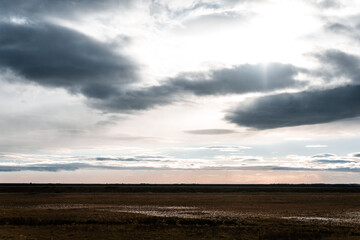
(254, 215)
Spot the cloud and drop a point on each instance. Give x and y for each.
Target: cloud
(339, 64)
(133, 159)
(317, 146)
(347, 27)
(339, 169)
(295, 109)
(53, 167)
(217, 20)
(325, 161)
(338, 27)
(323, 155)
(247, 160)
(327, 3)
(211, 131)
(38, 9)
(53, 163)
(136, 99)
(239, 79)
(220, 148)
(228, 148)
(55, 56)
(307, 107)
(356, 155)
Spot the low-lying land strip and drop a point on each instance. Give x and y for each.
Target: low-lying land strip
(149, 212)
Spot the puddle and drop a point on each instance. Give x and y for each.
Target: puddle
(343, 219)
(314, 219)
(200, 213)
(168, 211)
(150, 210)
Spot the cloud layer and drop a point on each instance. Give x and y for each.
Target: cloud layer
(308, 107)
(55, 56)
(53, 163)
(236, 80)
(40, 51)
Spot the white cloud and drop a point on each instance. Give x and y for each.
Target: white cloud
(316, 146)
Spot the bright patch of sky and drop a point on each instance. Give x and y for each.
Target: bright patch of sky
(170, 87)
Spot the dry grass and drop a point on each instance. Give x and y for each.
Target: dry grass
(255, 216)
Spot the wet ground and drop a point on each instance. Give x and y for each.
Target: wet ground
(202, 213)
(147, 215)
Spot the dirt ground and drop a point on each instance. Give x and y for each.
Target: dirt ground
(255, 215)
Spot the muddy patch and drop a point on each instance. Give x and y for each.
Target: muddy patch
(200, 213)
(171, 211)
(336, 219)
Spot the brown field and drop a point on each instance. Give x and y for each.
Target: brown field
(180, 215)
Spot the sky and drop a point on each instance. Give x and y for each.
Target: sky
(180, 91)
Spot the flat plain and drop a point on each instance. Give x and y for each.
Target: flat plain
(57, 211)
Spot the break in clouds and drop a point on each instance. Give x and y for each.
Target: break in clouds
(172, 76)
(54, 56)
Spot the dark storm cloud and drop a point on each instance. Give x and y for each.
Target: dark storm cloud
(308, 107)
(35, 9)
(211, 131)
(237, 80)
(55, 56)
